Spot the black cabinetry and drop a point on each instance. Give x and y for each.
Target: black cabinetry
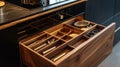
(100, 11)
(104, 12)
(117, 20)
(9, 48)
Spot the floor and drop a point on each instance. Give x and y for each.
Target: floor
(112, 60)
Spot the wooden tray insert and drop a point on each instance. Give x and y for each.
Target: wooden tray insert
(58, 34)
(73, 34)
(65, 30)
(79, 41)
(66, 38)
(57, 42)
(90, 24)
(51, 48)
(38, 37)
(59, 53)
(45, 43)
(94, 31)
(38, 41)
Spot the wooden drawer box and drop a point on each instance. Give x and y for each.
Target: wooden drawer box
(68, 45)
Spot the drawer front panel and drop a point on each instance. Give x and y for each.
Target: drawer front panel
(98, 48)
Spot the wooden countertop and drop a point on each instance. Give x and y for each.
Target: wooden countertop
(15, 14)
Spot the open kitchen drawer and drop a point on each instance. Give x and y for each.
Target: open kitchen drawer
(73, 43)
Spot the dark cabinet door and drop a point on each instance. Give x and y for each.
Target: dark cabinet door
(104, 12)
(117, 13)
(117, 20)
(100, 11)
(9, 48)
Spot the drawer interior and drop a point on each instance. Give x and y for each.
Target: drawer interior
(58, 41)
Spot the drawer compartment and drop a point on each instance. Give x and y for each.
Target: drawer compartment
(59, 53)
(51, 47)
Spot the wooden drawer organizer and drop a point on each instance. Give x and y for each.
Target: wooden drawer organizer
(65, 45)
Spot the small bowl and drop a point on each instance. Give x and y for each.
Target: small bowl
(81, 24)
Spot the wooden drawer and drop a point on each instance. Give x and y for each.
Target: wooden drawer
(68, 45)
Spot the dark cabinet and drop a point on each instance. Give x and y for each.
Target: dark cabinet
(100, 11)
(117, 20)
(9, 48)
(104, 12)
